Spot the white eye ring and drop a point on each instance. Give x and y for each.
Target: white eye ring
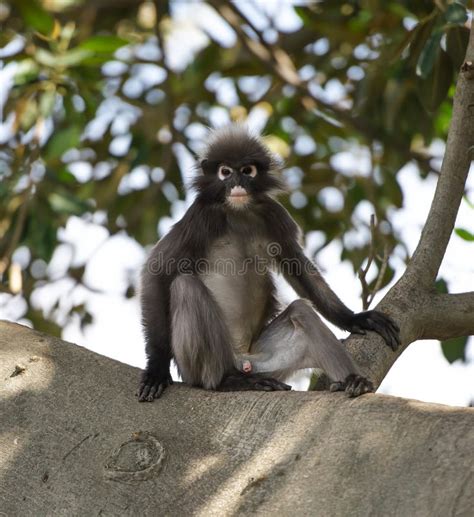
(249, 170)
(224, 172)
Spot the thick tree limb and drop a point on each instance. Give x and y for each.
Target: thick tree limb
(74, 441)
(445, 316)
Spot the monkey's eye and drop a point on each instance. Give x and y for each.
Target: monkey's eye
(249, 170)
(224, 172)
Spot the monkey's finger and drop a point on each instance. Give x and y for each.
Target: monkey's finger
(351, 386)
(360, 388)
(152, 393)
(281, 386)
(337, 386)
(265, 387)
(386, 327)
(139, 389)
(143, 396)
(391, 338)
(275, 385)
(380, 324)
(358, 330)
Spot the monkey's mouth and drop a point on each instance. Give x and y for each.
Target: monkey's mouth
(238, 193)
(238, 197)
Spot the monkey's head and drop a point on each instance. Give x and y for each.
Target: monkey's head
(237, 168)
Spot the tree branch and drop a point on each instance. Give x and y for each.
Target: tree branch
(446, 316)
(439, 226)
(77, 442)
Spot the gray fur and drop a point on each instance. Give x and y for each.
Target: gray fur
(242, 293)
(199, 337)
(219, 317)
(297, 339)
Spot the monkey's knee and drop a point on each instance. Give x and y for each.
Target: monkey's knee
(300, 305)
(300, 311)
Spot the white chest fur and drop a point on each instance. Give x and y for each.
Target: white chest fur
(237, 274)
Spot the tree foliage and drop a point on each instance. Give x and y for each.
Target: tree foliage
(100, 116)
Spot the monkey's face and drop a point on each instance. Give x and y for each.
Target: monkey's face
(236, 184)
(237, 169)
(238, 180)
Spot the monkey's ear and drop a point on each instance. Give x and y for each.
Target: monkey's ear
(205, 166)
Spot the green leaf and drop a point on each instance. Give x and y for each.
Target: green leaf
(46, 103)
(433, 89)
(73, 57)
(454, 349)
(470, 204)
(41, 232)
(29, 115)
(26, 71)
(455, 13)
(63, 140)
(443, 119)
(35, 16)
(457, 39)
(64, 203)
(441, 286)
(464, 234)
(421, 34)
(64, 176)
(103, 44)
(428, 55)
(303, 13)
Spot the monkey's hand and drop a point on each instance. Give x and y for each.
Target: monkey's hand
(152, 384)
(378, 322)
(354, 385)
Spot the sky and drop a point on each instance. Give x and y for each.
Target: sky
(421, 372)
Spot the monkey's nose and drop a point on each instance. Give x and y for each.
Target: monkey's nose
(238, 191)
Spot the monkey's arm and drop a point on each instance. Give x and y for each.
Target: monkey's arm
(307, 281)
(155, 321)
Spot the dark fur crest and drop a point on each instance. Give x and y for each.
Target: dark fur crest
(234, 144)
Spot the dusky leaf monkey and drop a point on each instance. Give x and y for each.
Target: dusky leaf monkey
(208, 299)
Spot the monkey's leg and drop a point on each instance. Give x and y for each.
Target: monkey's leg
(201, 342)
(199, 337)
(297, 339)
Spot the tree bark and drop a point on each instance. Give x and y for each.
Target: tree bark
(75, 441)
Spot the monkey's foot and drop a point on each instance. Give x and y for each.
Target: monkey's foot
(242, 382)
(354, 385)
(152, 385)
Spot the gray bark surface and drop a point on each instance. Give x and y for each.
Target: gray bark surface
(74, 441)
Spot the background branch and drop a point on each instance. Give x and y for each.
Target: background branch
(278, 62)
(450, 188)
